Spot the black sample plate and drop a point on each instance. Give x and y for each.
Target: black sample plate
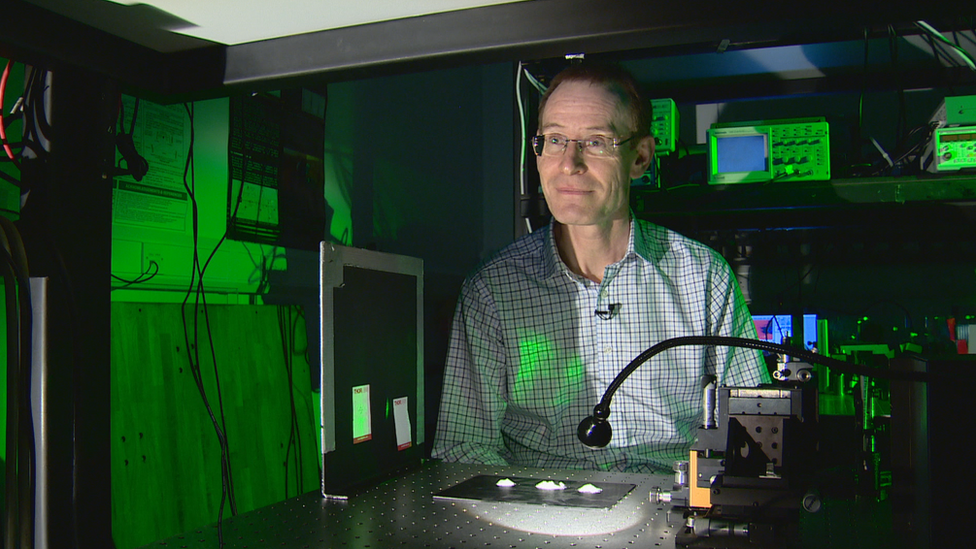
(485, 488)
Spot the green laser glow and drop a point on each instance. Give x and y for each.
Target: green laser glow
(547, 370)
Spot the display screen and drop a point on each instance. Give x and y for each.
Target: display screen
(779, 328)
(741, 153)
(949, 137)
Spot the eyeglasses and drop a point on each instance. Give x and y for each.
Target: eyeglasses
(553, 144)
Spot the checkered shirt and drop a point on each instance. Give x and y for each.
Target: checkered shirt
(529, 357)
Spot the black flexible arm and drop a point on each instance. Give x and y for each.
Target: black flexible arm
(595, 431)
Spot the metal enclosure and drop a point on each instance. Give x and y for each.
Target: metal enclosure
(372, 365)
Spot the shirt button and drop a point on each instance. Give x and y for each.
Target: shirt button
(603, 293)
(608, 349)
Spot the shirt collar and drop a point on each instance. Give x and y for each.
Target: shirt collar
(554, 265)
(649, 241)
(650, 249)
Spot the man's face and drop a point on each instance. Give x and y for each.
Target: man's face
(581, 189)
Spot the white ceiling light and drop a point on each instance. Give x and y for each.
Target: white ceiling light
(239, 21)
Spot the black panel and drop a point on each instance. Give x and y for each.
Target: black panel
(66, 224)
(375, 329)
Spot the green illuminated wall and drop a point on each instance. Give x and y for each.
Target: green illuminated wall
(154, 226)
(417, 165)
(166, 460)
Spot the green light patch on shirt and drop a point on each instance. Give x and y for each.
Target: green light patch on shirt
(542, 371)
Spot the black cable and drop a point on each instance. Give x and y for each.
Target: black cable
(286, 348)
(908, 315)
(917, 147)
(196, 283)
(202, 297)
(136, 166)
(13, 145)
(881, 166)
(193, 350)
(859, 130)
(967, 37)
(285, 351)
(778, 327)
(288, 327)
(939, 51)
(39, 89)
(135, 112)
(27, 458)
(798, 284)
(12, 495)
(36, 126)
(946, 46)
(33, 146)
(35, 117)
(294, 351)
(902, 121)
(120, 117)
(19, 330)
(8, 121)
(315, 421)
(602, 410)
(232, 499)
(12, 180)
(145, 276)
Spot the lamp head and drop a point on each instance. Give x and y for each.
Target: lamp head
(595, 430)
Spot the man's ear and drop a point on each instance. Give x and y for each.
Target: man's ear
(645, 153)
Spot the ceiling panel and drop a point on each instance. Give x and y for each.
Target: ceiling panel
(173, 25)
(150, 48)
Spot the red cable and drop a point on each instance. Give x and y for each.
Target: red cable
(3, 129)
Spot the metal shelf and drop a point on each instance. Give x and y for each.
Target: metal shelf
(913, 203)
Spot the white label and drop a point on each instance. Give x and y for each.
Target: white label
(362, 426)
(401, 418)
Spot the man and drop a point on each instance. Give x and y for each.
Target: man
(543, 327)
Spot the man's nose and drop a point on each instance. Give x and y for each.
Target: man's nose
(572, 160)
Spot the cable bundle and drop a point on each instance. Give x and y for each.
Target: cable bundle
(20, 471)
